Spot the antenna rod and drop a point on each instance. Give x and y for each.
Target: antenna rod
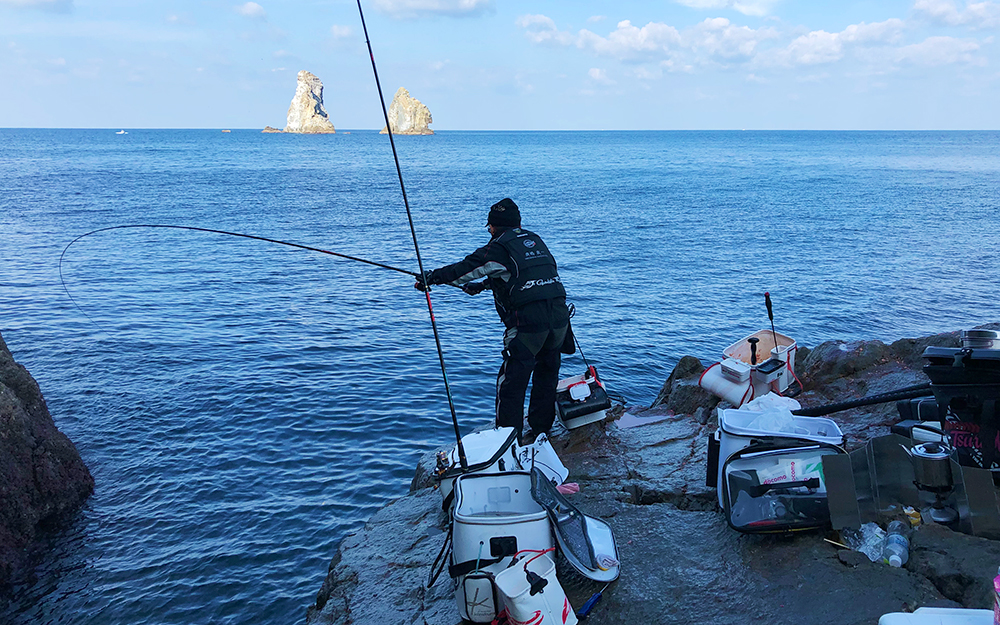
(770, 316)
(420, 265)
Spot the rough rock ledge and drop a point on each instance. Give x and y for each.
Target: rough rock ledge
(681, 563)
(43, 480)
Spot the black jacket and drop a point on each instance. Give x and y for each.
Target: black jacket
(520, 271)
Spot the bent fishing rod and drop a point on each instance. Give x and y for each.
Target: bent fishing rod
(422, 277)
(211, 230)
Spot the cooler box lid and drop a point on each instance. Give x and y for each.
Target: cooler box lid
(819, 429)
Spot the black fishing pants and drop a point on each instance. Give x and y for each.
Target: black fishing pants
(533, 355)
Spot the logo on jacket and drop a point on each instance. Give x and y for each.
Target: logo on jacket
(529, 243)
(530, 284)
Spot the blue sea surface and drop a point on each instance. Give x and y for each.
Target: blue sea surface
(243, 405)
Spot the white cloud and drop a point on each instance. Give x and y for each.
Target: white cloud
(720, 38)
(630, 42)
(936, 51)
(527, 21)
(60, 62)
(714, 37)
(412, 9)
(341, 32)
(542, 29)
(600, 75)
(820, 46)
(251, 9)
(975, 14)
(593, 19)
(757, 8)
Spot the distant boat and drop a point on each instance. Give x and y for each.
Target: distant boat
(121, 132)
(227, 131)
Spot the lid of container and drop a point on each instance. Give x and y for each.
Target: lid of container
(950, 352)
(770, 366)
(980, 334)
(931, 450)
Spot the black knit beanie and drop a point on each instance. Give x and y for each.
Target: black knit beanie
(504, 214)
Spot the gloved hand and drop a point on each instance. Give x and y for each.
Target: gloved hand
(474, 288)
(419, 285)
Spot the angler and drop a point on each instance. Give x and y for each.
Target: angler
(531, 301)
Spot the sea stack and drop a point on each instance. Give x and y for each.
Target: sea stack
(408, 115)
(306, 114)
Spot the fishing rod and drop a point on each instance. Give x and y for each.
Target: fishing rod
(232, 234)
(422, 277)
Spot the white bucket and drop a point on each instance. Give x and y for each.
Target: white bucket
(495, 516)
(549, 606)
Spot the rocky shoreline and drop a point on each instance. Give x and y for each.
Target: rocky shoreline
(43, 480)
(643, 471)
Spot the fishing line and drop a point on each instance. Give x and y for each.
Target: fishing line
(233, 234)
(422, 276)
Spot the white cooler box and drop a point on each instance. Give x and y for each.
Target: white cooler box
(495, 516)
(489, 451)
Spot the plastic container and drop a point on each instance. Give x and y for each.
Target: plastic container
(495, 516)
(776, 487)
(897, 546)
(734, 434)
(489, 451)
(547, 606)
(581, 399)
(939, 616)
(783, 351)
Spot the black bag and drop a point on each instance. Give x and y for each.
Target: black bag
(569, 343)
(764, 491)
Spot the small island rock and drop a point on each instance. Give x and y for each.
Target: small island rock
(408, 115)
(306, 114)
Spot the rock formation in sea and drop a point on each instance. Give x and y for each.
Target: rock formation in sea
(270, 129)
(644, 472)
(43, 480)
(408, 115)
(306, 114)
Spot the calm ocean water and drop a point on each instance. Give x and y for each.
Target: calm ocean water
(243, 405)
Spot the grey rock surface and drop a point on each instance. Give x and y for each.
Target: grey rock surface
(43, 480)
(681, 563)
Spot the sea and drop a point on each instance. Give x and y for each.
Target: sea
(244, 405)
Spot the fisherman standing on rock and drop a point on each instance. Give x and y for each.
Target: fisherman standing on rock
(531, 302)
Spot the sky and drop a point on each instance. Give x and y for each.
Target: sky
(505, 64)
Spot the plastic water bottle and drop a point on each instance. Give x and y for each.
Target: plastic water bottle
(897, 546)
